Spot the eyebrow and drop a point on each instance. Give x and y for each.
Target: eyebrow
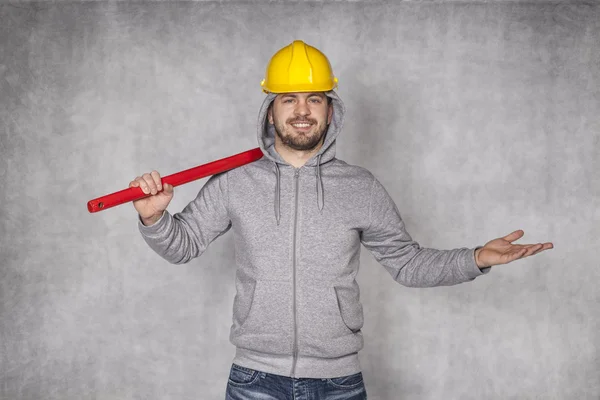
(293, 95)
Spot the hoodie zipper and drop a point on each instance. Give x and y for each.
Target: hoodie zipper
(295, 349)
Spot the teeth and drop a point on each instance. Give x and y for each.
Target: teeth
(301, 125)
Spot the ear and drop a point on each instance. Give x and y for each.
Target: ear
(329, 113)
(270, 114)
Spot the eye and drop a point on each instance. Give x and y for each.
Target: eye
(287, 100)
(316, 100)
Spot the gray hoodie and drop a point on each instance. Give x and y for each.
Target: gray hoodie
(298, 235)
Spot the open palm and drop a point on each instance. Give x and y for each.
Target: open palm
(502, 250)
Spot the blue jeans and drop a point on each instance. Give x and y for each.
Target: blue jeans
(248, 384)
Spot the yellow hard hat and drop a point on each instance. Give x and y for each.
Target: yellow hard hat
(298, 67)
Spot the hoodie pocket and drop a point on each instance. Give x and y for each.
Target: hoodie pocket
(329, 322)
(262, 319)
(350, 307)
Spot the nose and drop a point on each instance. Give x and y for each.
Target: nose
(302, 108)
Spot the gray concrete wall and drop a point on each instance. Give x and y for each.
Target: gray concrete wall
(479, 118)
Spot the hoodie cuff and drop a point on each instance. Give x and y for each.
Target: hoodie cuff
(470, 269)
(156, 229)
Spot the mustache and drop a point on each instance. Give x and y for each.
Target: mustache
(301, 120)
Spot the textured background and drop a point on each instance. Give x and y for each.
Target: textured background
(479, 118)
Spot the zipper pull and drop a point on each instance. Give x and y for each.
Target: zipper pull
(296, 173)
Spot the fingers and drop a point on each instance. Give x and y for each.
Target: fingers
(537, 248)
(156, 180)
(168, 189)
(518, 251)
(542, 247)
(149, 183)
(532, 249)
(522, 253)
(134, 183)
(511, 237)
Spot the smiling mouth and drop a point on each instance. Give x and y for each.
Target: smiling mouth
(301, 125)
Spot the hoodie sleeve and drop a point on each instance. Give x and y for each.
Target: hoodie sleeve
(180, 237)
(409, 264)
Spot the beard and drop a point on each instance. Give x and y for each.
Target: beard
(303, 141)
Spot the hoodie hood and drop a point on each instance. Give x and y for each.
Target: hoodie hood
(266, 141)
(266, 132)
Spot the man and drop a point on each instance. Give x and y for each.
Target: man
(299, 216)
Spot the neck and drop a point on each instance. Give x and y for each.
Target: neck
(296, 158)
